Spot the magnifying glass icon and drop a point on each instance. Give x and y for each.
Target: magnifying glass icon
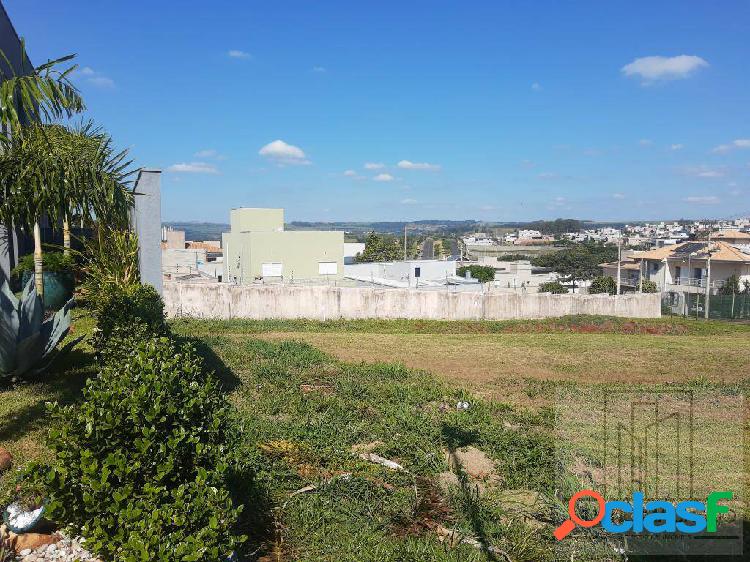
(569, 524)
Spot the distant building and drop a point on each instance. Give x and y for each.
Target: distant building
(409, 273)
(683, 267)
(259, 249)
(351, 250)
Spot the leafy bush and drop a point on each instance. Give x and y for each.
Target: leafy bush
(53, 262)
(140, 465)
(482, 273)
(129, 308)
(648, 286)
(554, 287)
(603, 285)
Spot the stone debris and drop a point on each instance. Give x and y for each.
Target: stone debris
(36, 547)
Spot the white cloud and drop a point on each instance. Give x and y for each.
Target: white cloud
(373, 166)
(319, 69)
(209, 153)
(101, 82)
(536, 87)
(654, 68)
(283, 153)
(408, 201)
(193, 168)
(737, 143)
(703, 199)
(677, 147)
(384, 177)
(646, 142)
(407, 165)
(237, 54)
(350, 173)
(548, 176)
(527, 164)
(618, 196)
(705, 172)
(94, 78)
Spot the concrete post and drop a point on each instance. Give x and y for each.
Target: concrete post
(146, 222)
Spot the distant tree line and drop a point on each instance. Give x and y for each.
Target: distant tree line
(557, 226)
(578, 262)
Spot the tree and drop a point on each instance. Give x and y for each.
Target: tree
(380, 248)
(554, 287)
(648, 286)
(482, 273)
(731, 285)
(43, 93)
(58, 172)
(603, 285)
(578, 261)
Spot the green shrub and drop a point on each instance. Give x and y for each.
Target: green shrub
(648, 286)
(482, 273)
(140, 465)
(603, 285)
(554, 287)
(129, 308)
(53, 262)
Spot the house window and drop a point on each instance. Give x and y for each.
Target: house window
(678, 272)
(328, 268)
(417, 272)
(272, 269)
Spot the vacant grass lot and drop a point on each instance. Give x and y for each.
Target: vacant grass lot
(512, 361)
(314, 397)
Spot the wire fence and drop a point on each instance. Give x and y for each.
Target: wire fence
(720, 307)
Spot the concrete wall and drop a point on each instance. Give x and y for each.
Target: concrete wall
(323, 303)
(146, 221)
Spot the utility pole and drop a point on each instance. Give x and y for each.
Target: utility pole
(619, 260)
(405, 227)
(708, 278)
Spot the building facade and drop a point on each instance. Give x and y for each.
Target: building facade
(259, 249)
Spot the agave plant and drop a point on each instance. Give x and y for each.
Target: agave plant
(28, 343)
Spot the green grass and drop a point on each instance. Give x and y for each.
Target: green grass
(302, 410)
(361, 510)
(596, 324)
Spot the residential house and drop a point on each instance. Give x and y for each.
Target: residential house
(684, 267)
(259, 249)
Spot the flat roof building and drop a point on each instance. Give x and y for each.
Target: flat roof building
(259, 249)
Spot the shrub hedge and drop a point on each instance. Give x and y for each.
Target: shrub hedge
(140, 465)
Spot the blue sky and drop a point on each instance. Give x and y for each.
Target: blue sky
(495, 110)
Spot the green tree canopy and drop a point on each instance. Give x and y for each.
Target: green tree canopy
(603, 285)
(380, 248)
(578, 261)
(482, 273)
(554, 287)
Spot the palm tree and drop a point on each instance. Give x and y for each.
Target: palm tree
(43, 93)
(61, 172)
